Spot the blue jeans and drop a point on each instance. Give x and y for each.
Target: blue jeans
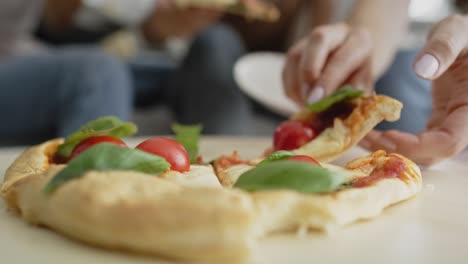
(401, 82)
(53, 94)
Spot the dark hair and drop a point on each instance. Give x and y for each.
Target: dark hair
(462, 5)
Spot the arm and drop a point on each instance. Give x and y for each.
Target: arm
(386, 21)
(356, 52)
(168, 21)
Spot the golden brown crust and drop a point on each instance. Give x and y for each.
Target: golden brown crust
(34, 160)
(158, 215)
(281, 210)
(260, 10)
(135, 211)
(347, 133)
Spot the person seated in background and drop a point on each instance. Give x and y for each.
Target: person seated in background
(194, 88)
(47, 92)
(335, 52)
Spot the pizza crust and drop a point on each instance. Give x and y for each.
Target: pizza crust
(136, 212)
(347, 133)
(282, 210)
(167, 217)
(257, 9)
(33, 161)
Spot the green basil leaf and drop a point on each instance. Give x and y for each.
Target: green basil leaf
(189, 137)
(276, 156)
(102, 157)
(343, 94)
(290, 175)
(104, 126)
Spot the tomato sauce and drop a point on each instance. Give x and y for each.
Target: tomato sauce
(393, 168)
(227, 161)
(321, 121)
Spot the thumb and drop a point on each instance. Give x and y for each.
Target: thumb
(444, 44)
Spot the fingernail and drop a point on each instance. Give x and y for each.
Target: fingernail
(316, 94)
(387, 144)
(426, 66)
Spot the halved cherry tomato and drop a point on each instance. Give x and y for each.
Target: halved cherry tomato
(169, 149)
(304, 158)
(89, 142)
(291, 135)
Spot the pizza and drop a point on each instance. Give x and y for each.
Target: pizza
(252, 9)
(326, 129)
(161, 198)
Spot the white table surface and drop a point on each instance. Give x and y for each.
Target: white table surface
(431, 228)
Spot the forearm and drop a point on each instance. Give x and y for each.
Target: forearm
(387, 22)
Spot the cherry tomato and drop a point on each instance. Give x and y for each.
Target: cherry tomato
(169, 149)
(304, 158)
(89, 142)
(291, 135)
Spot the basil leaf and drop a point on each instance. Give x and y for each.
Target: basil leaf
(276, 156)
(343, 94)
(189, 137)
(104, 156)
(290, 175)
(104, 126)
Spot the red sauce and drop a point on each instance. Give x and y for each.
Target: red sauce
(321, 121)
(227, 161)
(393, 168)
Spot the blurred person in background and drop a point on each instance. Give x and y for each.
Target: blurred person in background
(49, 92)
(192, 86)
(337, 52)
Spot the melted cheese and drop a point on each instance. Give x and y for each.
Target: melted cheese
(198, 176)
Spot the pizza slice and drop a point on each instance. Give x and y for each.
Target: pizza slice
(328, 128)
(296, 192)
(253, 9)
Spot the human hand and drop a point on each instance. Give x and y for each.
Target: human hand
(331, 56)
(169, 20)
(445, 61)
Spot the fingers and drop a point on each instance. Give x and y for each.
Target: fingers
(320, 44)
(322, 62)
(348, 59)
(429, 147)
(291, 82)
(362, 78)
(444, 44)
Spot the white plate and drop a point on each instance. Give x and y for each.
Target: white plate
(259, 76)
